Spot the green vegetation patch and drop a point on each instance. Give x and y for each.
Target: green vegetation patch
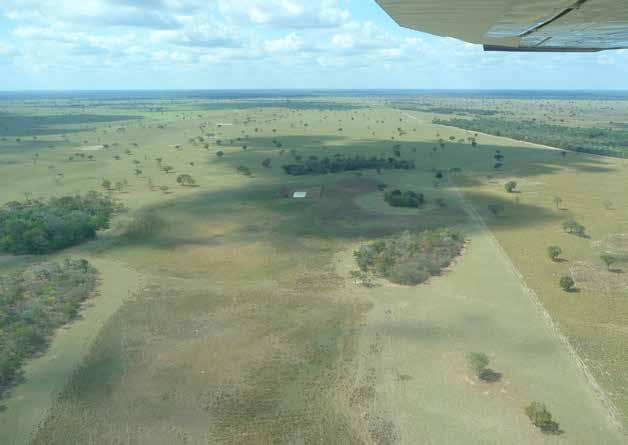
(33, 303)
(411, 258)
(601, 141)
(397, 198)
(339, 164)
(38, 227)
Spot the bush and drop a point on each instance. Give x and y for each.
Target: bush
(397, 198)
(574, 228)
(510, 186)
(38, 227)
(478, 363)
(554, 252)
(567, 283)
(410, 258)
(185, 179)
(33, 303)
(541, 417)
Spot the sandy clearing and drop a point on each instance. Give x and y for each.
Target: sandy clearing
(45, 376)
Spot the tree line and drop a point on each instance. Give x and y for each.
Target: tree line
(339, 164)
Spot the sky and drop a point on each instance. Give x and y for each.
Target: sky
(260, 44)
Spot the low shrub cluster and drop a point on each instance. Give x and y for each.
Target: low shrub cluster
(339, 164)
(38, 227)
(410, 258)
(33, 303)
(397, 198)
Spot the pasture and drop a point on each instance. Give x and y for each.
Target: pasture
(237, 321)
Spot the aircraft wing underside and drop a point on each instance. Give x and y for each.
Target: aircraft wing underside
(515, 25)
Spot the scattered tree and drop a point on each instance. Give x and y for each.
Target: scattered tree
(567, 283)
(510, 186)
(608, 259)
(541, 418)
(185, 180)
(478, 363)
(554, 252)
(574, 228)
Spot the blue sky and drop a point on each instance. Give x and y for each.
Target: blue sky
(216, 44)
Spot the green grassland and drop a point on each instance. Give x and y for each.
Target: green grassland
(238, 322)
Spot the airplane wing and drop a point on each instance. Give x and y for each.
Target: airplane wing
(519, 25)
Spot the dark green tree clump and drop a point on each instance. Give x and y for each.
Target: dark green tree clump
(554, 252)
(567, 283)
(185, 180)
(541, 418)
(510, 186)
(410, 258)
(33, 303)
(397, 198)
(340, 163)
(574, 228)
(38, 227)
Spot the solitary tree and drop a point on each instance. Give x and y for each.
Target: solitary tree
(106, 184)
(185, 180)
(478, 362)
(220, 153)
(557, 201)
(167, 168)
(567, 283)
(554, 252)
(266, 162)
(541, 417)
(608, 259)
(510, 186)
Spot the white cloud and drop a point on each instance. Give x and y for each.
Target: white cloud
(291, 42)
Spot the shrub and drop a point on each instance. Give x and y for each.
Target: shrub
(554, 252)
(397, 198)
(574, 228)
(608, 259)
(478, 362)
(510, 186)
(541, 417)
(567, 283)
(185, 180)
(410, 258)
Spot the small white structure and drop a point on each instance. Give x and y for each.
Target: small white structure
(299, 195)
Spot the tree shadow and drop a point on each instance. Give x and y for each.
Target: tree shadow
(490, 376)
